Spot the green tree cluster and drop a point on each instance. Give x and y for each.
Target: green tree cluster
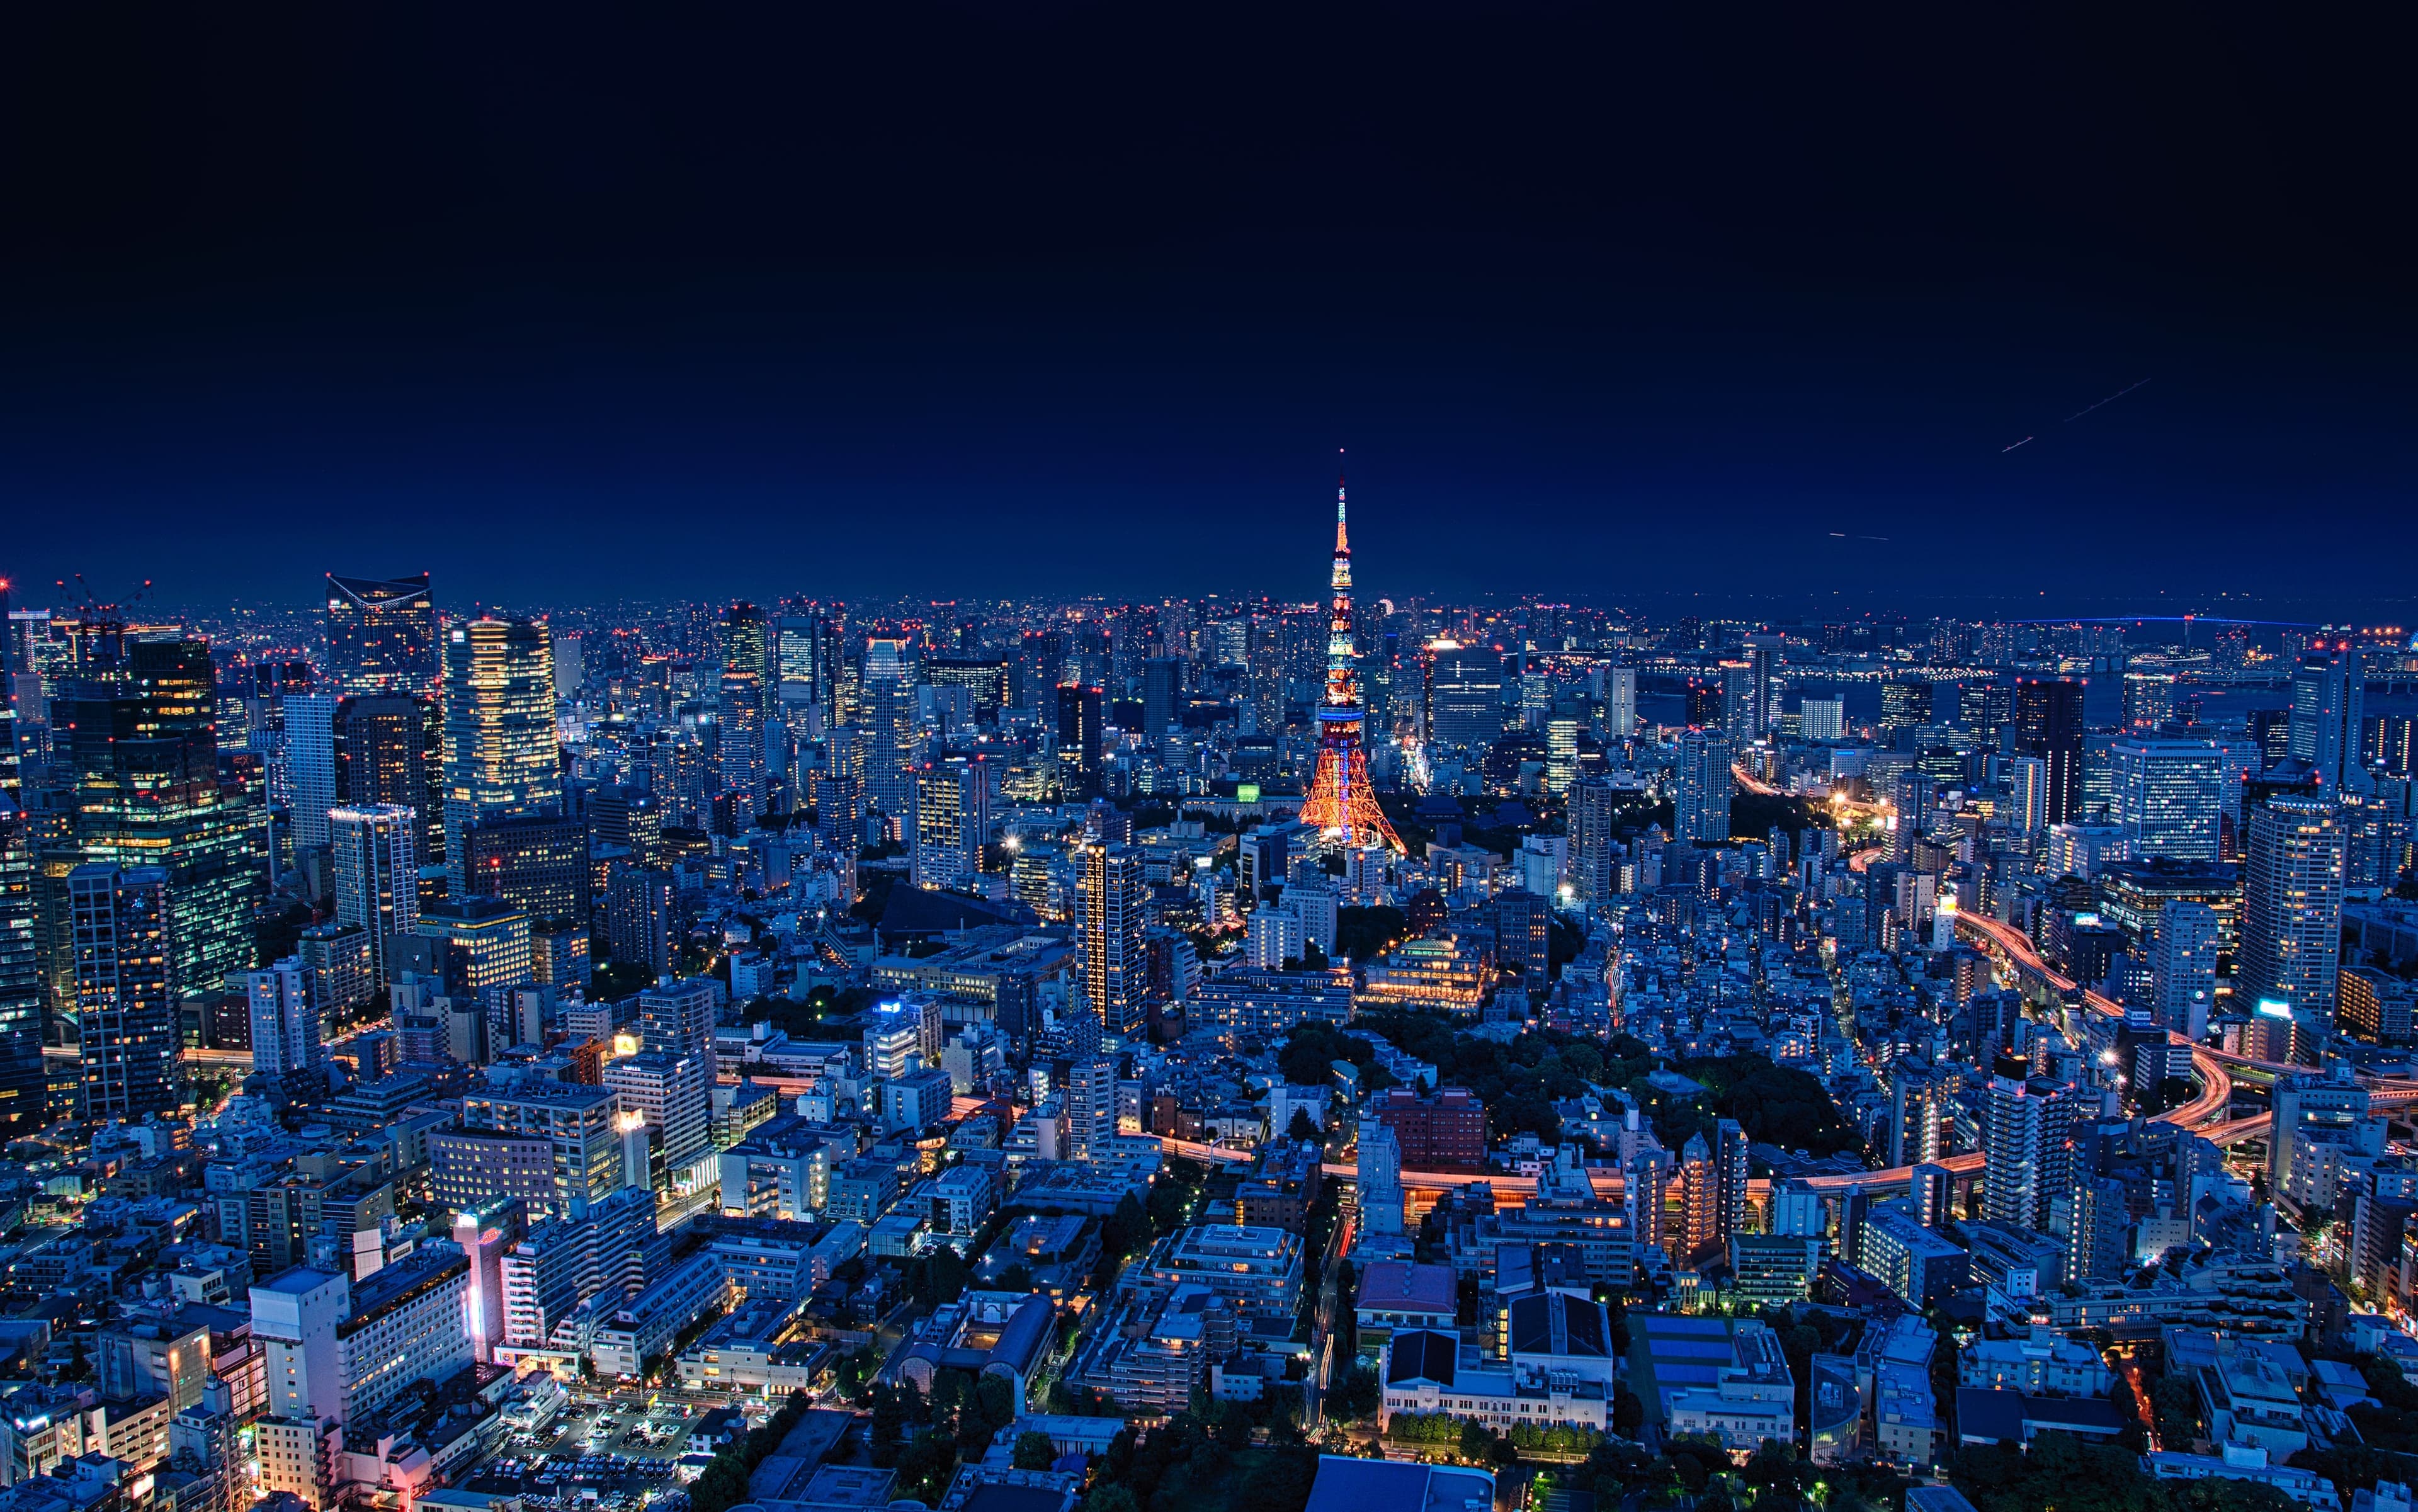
(1309, 1054)
(1203, 1458)
(724, 1483)
(2064, 1473)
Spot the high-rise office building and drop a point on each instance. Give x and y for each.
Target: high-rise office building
(1594, 868)
(2169, 795)
(286, 1012)
(1078, 741)
(2291, 905)
(951, 821)
(2149, 701)
(22, 1077)
(1702, 787)
(483, 943)
(1822, 719)
(838, 794)
(311, 764)
(1112, 901)
(539, 864)
(501, 760)
(677, 1018)
(390, 750)
(1619, 703)
(887, 698)
(2329, 699)
(134, 735)
(642, 920)
(1985, 706)
(377, 876)
(381, 636)
(1905, 703)
(2027, 794)
(2182, 966)
(1464, 696)
(126, 990)
(674, 1096)
(2048, 724)
(747, 692)
(1162, 684)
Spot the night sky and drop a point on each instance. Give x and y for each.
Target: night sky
(1623, 302)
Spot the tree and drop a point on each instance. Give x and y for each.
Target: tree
(1773, 1466)
(1280, 1483)
(1033, 1451)
(1475, 1439)
(1358, 1398)
(1628, 1413)
(1127, 1230)
(1302, 1128)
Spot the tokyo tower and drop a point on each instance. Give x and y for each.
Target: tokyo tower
(1341, 805)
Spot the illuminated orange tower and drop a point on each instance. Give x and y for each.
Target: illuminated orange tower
(1342, 805)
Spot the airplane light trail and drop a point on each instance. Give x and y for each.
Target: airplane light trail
(2088, 408)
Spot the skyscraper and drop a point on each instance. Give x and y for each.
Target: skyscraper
(501, 755)
(1162, 684)
(1464, 696)
(2291, 905)
(391, 751)
(1730, 1170)
(286, 1009)
(838, 788)
(1111, 898)
(1619, 703)
(2149, 701)
(2011, 1127)
(677, 1018)
(745, 693)
(1593, 868)
(887, 694)
(1342, 803)
(20, 977)
(2027, 794)
(2169, 795)
(951, 822)
(2329, 698)
(381, 634)
(135, 735)
(1078, 741)
(311, 763)
(2182, 966)
(2048, 724)
(377, 876)
(1702, 787)
(1906, 703)
(126, 990)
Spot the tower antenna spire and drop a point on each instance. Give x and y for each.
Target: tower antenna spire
(1341, 803)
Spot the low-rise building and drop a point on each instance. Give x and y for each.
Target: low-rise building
(1258, 1270)
(2043, 1363)
(761, 1346)
(1396, 1295)
(1429, 1372)
(1752, 1398)
(2245, 1461)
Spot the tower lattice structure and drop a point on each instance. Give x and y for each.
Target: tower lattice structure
(1342, 803)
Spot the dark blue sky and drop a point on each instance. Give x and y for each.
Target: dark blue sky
(1608, 306)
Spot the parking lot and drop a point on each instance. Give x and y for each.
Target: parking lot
(617, 1447)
